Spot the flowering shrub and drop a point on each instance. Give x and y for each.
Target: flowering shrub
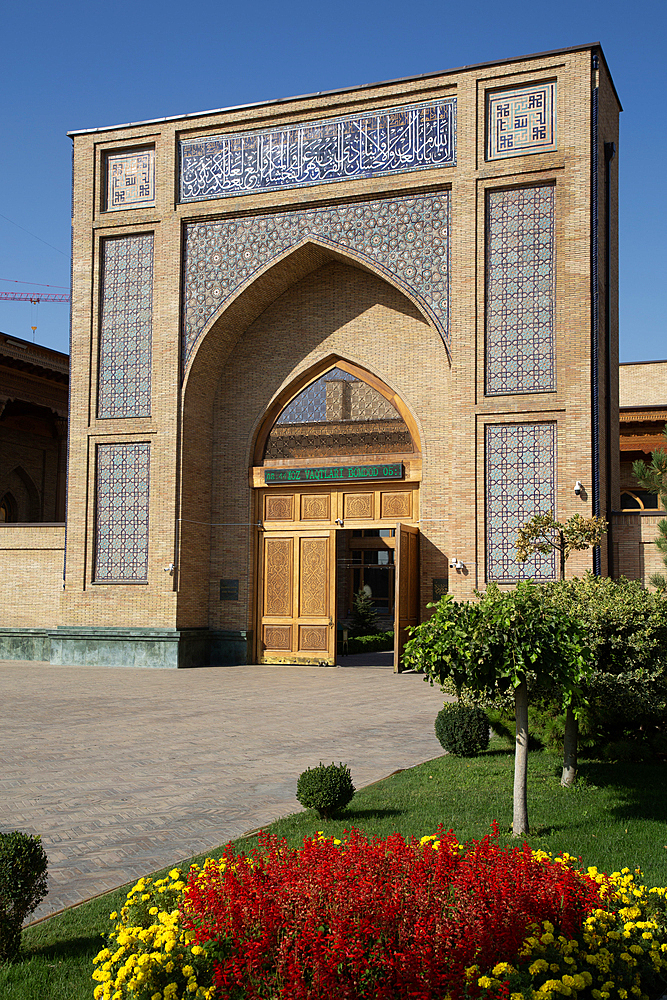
(619, 951)
(149, 956)
(389, 920)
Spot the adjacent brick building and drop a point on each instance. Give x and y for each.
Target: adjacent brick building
(643, 418)
(352, 338)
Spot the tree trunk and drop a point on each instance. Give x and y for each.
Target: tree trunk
(561, 549)
(520, 818)
(570, 741)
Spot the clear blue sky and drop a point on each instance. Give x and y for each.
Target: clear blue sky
(85, 64)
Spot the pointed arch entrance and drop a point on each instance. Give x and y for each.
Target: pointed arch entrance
(336, 476)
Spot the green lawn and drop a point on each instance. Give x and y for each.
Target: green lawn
(616, 817)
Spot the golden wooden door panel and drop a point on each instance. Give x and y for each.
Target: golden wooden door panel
(358, 506)
(298, 593)
(278, 563)
(313, 578)
(313, 637)
(279, 507)
(277, 637)
(396, 504)
(406, 610)
(315, 506)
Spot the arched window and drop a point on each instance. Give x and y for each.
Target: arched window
(8, 509)
(338, 415)
(639, 500)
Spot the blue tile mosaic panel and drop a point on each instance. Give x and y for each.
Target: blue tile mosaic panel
(131, 179)
(405, 238)
(121, 523)
(520, 483)
(396, 140)
(520, 291)
(521, 120)
(124, 379)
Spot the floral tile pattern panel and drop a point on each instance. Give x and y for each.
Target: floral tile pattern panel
(520, 291)
(520, 483)
(122, 498)
(124, 380)
(406, 238)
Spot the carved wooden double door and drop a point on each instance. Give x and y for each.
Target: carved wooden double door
(298, 597)
(297, 621)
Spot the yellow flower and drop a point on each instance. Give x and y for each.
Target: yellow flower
(538, 966)
(503, 969)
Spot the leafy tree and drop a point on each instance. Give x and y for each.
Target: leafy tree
(490, 646)
(626, 630)
(653, 478)
(542, 534)
(364, 619)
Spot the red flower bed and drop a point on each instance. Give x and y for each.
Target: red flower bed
(381, 919)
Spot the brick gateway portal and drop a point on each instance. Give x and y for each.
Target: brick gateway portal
(221, 258)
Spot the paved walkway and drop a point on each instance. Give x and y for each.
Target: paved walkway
(124, 771)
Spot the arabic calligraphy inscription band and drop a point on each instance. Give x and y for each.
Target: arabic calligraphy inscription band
(418, 137)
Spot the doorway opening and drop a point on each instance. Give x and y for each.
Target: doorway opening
(365, 596)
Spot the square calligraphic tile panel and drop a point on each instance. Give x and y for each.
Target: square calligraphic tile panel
(130, 179)
(521, 120)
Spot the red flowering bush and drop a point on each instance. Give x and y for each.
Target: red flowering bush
(381, 918)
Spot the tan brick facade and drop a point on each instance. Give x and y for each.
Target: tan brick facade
(643, 383)
(316, 302)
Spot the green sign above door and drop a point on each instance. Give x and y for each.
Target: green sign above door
(341, 473)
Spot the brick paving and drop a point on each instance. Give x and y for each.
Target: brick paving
(124, 771)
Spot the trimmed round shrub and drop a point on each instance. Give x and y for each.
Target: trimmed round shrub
(23, 865)
(327, 788)
(462, 729)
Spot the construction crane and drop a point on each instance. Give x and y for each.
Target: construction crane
(34, 298)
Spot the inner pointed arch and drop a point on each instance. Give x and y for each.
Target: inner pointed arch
(335, 409)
